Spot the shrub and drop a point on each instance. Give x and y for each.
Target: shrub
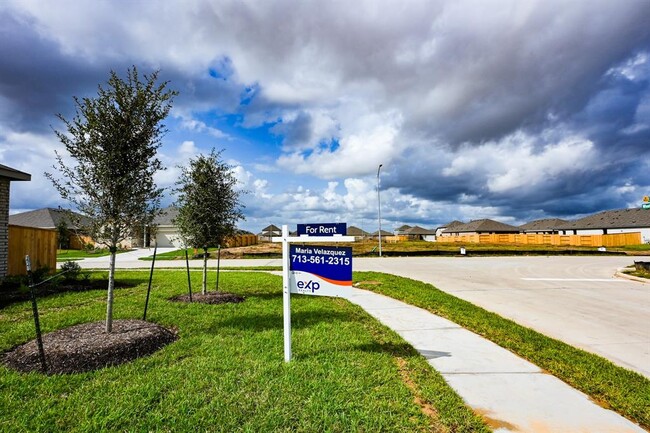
(71, 269)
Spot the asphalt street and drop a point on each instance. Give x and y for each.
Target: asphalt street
(576, 299)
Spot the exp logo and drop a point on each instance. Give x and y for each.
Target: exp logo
(308, 285)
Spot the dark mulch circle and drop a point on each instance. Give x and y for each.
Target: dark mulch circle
(88, 347)
(210, 298)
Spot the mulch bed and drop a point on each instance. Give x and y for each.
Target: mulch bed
(210, 298)
(88, 347)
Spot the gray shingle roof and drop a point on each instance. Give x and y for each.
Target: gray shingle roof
(548, 224)
(417, 230)
(46, 218)
(271, 228)
(452, 225)
(483, 226)
(166, 216)
(620, 218)
(356, 231)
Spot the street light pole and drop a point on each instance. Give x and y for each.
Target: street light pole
(379, 207)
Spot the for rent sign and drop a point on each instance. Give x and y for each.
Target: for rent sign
(323, 271)
(327, 229)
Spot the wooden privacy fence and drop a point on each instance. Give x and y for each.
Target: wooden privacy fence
(613, 240)
(39, 244)
(241, 241)
(79, 242)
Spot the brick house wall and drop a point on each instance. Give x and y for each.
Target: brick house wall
(4, 221)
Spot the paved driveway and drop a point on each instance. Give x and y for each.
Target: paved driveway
(575, 299)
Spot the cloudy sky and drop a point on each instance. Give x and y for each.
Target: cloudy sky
(510, 110)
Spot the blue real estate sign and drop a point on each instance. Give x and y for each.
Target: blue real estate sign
(323, 271)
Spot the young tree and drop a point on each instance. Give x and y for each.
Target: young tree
(208, 204)
(63, 235)
(114, 138)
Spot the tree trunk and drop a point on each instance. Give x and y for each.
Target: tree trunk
(111, 286)
(204, 289)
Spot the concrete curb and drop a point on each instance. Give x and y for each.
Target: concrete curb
(620, 274)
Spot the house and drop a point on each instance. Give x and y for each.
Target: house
(49, 218)
(420, 234)
(269, 232)
(547, 226)
(440, 230)
(482, 226)
(166, 233)
(7, 175)
(358, 233)
(402, 230)
(384, 233)
(611, 222)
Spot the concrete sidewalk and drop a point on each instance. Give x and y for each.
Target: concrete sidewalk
(512, 394)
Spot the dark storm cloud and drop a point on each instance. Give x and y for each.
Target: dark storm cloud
(527, 107)
(36, 80)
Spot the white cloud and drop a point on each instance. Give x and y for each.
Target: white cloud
(198, 126)
(520, 160)
(39, 159)
(527, 168)
(364, 145)
(466, 101)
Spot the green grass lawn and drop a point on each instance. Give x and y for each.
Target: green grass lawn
(226, 372)
(624, 391)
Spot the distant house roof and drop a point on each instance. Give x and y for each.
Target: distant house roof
(451, 225)
(166, 216)
(47, 218)
(271, 228)
(548, 224)
(417, 230)
(13, 174)
(403, 228)
(383, 233)
(483, 226)
(620, 218)
(356, 231)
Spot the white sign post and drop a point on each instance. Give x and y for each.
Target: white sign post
(289, 281)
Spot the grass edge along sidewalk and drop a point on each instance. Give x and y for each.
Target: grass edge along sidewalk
(613, 387)
(226, 371)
